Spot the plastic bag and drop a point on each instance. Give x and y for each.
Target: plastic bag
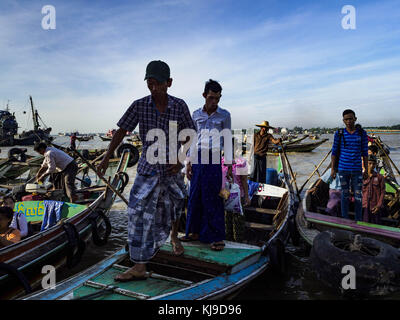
(233, 203)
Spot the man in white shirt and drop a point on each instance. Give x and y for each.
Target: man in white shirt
(54, 161)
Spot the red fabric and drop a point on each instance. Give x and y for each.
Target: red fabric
(31, 197)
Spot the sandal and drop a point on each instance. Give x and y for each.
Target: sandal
(217, 246)
(177, 248)
(189, 238)
(130, 275)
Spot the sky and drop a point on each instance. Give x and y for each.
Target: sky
(288, 62)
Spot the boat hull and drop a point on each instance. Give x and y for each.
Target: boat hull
(50, 247)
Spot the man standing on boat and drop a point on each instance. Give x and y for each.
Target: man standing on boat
(261, 142)
(350, 146)
(157, 195)
(56, 160)
(73, 141)
(205, 214)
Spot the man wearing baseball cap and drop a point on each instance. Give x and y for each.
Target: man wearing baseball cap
(158, 192)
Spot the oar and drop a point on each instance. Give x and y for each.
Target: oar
(99, 175)
(94, 160)
(391, 161)
(291, 171)
(322, 161)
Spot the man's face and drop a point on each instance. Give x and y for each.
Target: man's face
(41, 151)
(349, 120)
(371, 165)
(212, 98)
(158, 88)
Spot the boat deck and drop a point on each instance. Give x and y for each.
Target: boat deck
(198, 257)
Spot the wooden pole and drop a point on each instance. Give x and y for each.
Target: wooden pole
(100, 176)
(94, 160)
(291, 171)
(391, 161)
(322, 161)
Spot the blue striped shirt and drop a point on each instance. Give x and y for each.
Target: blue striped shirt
(351, 153)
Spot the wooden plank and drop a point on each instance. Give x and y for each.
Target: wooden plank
(261, 210)
(124, 292)
(156, 275)
(261, 226)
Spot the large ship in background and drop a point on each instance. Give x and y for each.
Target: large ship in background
(9, 129)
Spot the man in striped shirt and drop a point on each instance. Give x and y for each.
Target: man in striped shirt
(350, 146)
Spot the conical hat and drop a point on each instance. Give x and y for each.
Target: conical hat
(264, 124)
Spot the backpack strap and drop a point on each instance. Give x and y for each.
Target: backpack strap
(341, 136)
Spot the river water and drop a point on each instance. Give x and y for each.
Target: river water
(299, 283)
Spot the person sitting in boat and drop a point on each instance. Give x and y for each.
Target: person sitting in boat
(261, 142)
(335, 193)
(19, 220)
(373, 193)
(350, 162)
(54, 161)
(8, 235)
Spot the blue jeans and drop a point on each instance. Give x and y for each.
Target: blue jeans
(355, 179)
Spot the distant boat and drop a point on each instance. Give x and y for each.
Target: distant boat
(109, 135)
(301, 147)
(105, 138)
(84, 138)
(314, 137)
(8, 127)
(27, 138)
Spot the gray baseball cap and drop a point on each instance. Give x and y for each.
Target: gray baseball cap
(158, 70)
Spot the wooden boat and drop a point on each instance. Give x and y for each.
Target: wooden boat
(84, 138)
(22, 262)
(11, 169)
(370, 248)
(312, 218)
(29, 138)
(295, 140)
(105, 138)
(302, 147)
(200, 273)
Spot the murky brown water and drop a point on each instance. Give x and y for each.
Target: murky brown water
(299, 283)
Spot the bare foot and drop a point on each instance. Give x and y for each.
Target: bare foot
(177, 247)
(134, 273)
